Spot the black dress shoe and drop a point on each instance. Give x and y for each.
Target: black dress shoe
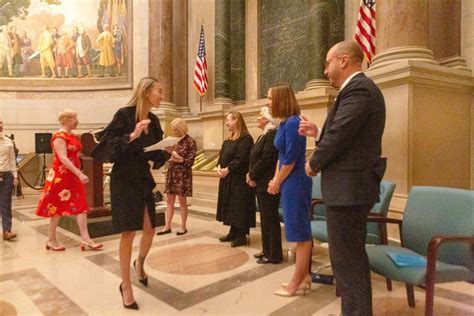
(181, 233)
(143, 281)
(226, 238)
(258, 255)
(265, 260)
(133, 305)
(239, 241)
(168, 231)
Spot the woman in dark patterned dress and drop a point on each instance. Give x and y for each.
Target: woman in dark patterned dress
(179, 179)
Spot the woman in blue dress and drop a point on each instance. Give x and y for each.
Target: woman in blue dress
(293, 183)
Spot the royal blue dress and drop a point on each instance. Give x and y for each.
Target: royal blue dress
(296, 189)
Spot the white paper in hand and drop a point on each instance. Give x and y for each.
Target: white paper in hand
(167, 142)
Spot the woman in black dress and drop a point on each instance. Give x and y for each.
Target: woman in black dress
(263, 160)
(131, 185)
(236, 200)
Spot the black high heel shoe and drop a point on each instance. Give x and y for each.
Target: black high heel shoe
(133, 305)
(143, 281)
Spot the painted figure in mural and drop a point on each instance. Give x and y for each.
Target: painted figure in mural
(74, 36)
(83, 47)
(15, 51)
(5, 52)
(55, 36)
(106, 43)
(64, 55)
(26, 51)
(119, 48)
(45, 44)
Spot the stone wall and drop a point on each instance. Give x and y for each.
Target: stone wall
(294, 39)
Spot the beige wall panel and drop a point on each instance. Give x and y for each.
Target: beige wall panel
(213, 133)
(441, 138)
(395, 137)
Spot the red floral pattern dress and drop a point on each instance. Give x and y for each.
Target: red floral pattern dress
(63, 192)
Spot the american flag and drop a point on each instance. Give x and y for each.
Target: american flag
(365, 30)
(200, 71)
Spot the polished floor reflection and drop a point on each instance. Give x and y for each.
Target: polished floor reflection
(193, 274)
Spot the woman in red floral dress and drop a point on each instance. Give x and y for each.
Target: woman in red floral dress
(63, 192)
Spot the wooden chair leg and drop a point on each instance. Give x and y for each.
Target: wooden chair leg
(410, 295)
(429, 298)
(389, 284)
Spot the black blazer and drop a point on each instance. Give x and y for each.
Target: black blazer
(263, 160)
(349, 151)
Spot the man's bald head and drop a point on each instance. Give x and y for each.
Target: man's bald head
(351, 49)
(342, 60)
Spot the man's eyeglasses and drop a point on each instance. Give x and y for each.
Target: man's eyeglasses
(328, 62)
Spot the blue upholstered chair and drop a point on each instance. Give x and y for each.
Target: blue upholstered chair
(376, 233)
(438, 224)
(319, 227)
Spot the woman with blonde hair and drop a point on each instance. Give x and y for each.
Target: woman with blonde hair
(236, 200)
(179, 178)
(63, 192)
(131, 185)
(295, 186)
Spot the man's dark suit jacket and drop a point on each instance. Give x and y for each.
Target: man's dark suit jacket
(263, 160)
(350, 146)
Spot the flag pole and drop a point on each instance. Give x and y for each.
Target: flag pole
(201, 20)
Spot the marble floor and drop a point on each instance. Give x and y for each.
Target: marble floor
(193, 274)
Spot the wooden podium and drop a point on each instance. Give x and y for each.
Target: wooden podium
(95, 187)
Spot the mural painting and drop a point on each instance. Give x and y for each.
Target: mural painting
(65, 44)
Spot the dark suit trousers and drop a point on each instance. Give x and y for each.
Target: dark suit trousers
(270, 223)
(347, 230)
(6, 190)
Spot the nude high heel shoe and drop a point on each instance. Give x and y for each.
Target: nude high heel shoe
(304, 286)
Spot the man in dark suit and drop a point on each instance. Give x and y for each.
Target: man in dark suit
(348, 157)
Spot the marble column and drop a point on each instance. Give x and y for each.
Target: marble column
(322, 15)
(223, 52)
(252, 21)
(449, 31)
(180, 56)
(161, 46)
(467, 32)
(402, 32)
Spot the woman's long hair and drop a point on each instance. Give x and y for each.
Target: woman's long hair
(139, 98)
(241, 126)
(284, 102)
